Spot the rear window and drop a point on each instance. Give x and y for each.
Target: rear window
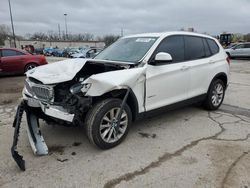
(213, 46)
(6, 53)
(194, 48)
(247, 45)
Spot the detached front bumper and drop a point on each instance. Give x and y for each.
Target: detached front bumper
(36, 140)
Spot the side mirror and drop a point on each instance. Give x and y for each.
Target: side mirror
(163, 57)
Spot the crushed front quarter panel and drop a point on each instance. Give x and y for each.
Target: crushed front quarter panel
(127, 78)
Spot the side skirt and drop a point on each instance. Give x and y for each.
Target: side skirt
(171, 107)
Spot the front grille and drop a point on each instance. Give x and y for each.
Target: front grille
(28, 88)
(45, 93)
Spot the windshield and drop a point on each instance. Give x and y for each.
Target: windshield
(127, 49)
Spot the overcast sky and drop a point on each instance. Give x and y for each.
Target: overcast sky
(134, 16)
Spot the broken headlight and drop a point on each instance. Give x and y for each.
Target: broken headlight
(79, 87)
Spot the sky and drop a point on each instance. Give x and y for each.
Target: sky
(101, 17)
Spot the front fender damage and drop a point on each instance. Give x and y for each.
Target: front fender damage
(108, 81)
(36, 140)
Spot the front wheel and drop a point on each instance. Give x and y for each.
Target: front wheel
(29, 67)
(101, 123)
(215, 95)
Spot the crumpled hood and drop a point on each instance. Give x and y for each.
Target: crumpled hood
(57, 72)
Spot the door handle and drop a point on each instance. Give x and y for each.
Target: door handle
(183, 68)
(211, 61)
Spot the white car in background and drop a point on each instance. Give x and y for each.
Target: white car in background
(239, 50)
(87, 53)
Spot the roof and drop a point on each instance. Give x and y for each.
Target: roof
(164, 34)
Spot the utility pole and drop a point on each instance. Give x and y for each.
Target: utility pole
(59, 31)
(13, 32)
(66, 28)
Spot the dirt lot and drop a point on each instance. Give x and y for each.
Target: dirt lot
(189, 147)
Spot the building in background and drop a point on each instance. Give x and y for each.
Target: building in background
(58, 44)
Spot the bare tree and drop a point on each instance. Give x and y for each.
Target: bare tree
(109, 39)
(4, 33)
(247, 37)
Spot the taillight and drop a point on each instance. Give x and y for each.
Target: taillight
(228, 60)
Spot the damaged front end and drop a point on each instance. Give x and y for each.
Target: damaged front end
(63, 93)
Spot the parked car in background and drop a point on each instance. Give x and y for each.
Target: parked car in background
(67, 52)
(48, 51)
(239, 50)
(38, 51)
(87, 53)
(231, 45)
(15, 61)
(57, 52)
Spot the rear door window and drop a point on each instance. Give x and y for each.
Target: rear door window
(194, 48)
(206, 48)
(213, 46)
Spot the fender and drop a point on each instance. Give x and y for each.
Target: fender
(221, 76)
(109, 81)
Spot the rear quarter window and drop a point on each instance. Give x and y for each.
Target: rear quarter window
(213, 46)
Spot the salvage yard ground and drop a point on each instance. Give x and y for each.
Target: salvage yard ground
(189, 147)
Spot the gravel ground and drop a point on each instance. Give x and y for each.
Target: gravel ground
(189, 147)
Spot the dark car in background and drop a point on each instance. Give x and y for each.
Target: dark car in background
(15, 61)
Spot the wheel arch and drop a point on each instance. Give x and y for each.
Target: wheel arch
(132, 101)
(222, 76)
(29, 63)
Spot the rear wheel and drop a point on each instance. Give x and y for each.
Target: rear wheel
(29, 66)
(215, 95)
(101, 123)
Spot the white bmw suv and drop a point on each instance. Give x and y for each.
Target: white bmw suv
(135, 75)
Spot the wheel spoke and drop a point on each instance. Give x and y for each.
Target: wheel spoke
(111, 112)
(106, 118)
(103, 126)
(121, 130)
(110, 133)
(115, 135)
(213, 99)
(106, 132)
(123, 115)
(123, 122)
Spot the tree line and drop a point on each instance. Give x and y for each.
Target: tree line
(5, 34)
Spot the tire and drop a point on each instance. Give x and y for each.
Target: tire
(29, 67)
(100, 126)
(215, 95)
